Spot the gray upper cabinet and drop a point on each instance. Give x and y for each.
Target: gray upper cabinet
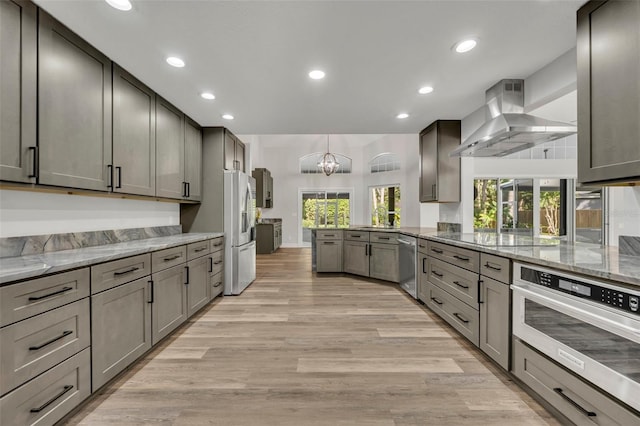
(264, 187)
(240, 155)
(169, 150)
(74, 109)
(18, 43)
(233, 152)
(608, 92)
(134, 137)
(193, 160)
(439, 173)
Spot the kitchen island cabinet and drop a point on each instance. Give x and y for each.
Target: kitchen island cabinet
(328, 250)
(18, 90)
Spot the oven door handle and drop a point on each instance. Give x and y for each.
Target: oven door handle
(609, 321)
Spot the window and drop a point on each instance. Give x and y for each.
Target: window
(384, 162)
(385, 206)
(324, 209)
(309, 163)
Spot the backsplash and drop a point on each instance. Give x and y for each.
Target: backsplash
(449, 227)
(35, 244)
(629, 245)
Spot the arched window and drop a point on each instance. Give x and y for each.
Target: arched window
(385, 162)
(309, 163)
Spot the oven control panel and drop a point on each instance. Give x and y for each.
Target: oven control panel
(615, 297)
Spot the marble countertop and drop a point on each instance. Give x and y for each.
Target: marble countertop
(31, 266)
(592, 260)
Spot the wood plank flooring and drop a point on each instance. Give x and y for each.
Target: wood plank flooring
(300, 349)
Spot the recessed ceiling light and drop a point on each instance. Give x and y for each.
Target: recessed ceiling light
(317, 74)
(208, 96)
(175, 62)
(120, 4)
(424, 90)
(227, 116)
(465, 45)
(402, 115)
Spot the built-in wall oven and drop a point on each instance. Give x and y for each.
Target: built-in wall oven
(592, 328)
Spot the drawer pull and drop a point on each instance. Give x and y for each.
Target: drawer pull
(461, 318)
(437, 301)
(217, 245)
(62, 290)
(461, 285)
(464, 259)
(128, 271)
(575, 404)
(200, 249)
(383, 238)
(436, 250)
(55, 339)
(495, 268)
(421, 246)
(169, 259)
(436, 274)
(328, 242)
(355, 236)
(65, 389)
(217, 262)
(218, 284)
(329, 235)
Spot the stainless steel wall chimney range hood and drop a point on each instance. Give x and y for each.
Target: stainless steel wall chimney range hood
(507, 128)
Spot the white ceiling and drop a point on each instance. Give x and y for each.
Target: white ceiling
(255, 56)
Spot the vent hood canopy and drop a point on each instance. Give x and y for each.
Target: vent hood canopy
(508, 129)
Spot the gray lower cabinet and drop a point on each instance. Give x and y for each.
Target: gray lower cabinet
(120, 328)
(356, 257)
(268, 237)
(495, 320)
(18, 87)
(422, 277)
(192, 160)
(50, 396)
(329, 256)
(608, 92)
(198, 284)
(169, 150)
(169, 297)
(134, 137)
(74, 109)
(384, 262)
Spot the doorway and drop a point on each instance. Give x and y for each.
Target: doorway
(323, 209)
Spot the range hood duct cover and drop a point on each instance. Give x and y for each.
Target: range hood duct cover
(507, 128)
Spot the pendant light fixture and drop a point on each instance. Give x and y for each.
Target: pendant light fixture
(328, 163)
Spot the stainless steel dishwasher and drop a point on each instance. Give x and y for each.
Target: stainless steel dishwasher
(408, 253)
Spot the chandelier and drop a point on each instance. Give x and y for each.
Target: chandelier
(328, 163)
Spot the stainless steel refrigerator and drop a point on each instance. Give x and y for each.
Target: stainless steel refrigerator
(239, 226)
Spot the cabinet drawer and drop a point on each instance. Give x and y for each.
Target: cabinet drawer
(167, 258)
(217, 262)
(423, 246)
(195, 250)
(29, 298)
(383, 237)
(458, 282)
(356, 236)
(216, 244)
(34, 345)
(53, 394)
(498, 268)
(217, 284)
(570, 395)
(458, 314)
(112, 274)
(327, 234)
(464, 258)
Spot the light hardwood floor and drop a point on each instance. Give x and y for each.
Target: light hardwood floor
(301, 349)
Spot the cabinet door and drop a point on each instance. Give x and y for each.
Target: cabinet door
(193, 160)
(608, 91)
(229, 151)
(239, 156)
(134, 137)
(384, 262)
(120, 329)
(495, 320)
(429, 163)
(329, 256)
(18, 86)
(356, 258)
(197, 284)
(169, 150)
(74, 109)
(169, 296)
(269, 198)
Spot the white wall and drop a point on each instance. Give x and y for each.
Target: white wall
(34, 213)
(280, 154)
